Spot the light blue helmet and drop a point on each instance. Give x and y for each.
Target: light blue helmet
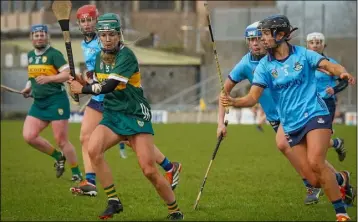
(251, 31)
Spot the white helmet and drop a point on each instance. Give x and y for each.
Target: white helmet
(317, 36)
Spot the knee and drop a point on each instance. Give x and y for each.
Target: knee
(61, 140)
(95, 154)
(283, 146)
(149, 170)
(29, 136)
(316, 165)
(84, 137)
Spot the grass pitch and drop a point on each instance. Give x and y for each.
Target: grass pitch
(249, 180)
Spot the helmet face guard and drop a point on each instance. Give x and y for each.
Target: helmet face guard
(316, 42)
(109, 22)
(251, 32)
(276, 24)
(86, 19)
(39, 36)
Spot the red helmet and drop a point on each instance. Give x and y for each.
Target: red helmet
(87, 11)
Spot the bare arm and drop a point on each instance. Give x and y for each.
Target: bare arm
(228, 86)
(337, 70)
(63, 76)
(332, 68)
(250, 99)
(26, 91)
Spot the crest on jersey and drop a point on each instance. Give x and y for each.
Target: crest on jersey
(297, 66)
(274, 73)
(101, 65)
(44, 59)
(140, 123)
(31, 60)
(60, 111)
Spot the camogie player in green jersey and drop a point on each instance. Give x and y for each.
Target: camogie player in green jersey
(47, 70)
(126, 115)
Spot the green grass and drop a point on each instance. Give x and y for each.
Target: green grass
(249, 179)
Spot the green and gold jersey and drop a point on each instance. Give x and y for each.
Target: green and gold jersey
(51, 62)
(128, 96)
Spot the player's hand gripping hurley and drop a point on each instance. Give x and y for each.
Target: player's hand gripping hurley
(207, 171)
(9, 89)
(215, 52)
(62, 11)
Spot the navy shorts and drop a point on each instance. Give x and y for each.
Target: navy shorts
(331, 105)
(96, 105)
(275, 125)
(317, 122)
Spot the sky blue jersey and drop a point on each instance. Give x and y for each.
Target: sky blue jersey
(90, 50)
(245, 70)
(324, 81)
(293, 85)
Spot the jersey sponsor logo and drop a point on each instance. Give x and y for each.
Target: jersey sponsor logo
(274, 73)
(320, 120)
(297, 66)
(140, 123)
(294, 82)
(44, 59)
(60, 111)
(38, 70)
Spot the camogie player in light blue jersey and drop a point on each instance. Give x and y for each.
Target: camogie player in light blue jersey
(289, 72)
(244, 71)
(327, 86)
(87, 16)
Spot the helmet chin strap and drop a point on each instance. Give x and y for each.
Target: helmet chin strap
(89, 34)
(257, 57)
(285, 38)
(112, 51)
(40, 47)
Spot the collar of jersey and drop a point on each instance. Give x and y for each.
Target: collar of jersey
(253, 59)
(325, 56)
(41, 52)
(94, 38)
(291, 49)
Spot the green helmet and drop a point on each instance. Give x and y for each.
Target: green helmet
(108, 22)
